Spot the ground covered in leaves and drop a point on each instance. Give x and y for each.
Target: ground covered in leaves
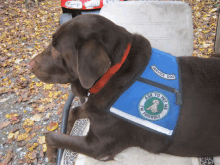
(30, 108)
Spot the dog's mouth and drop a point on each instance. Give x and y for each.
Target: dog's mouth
(44, 78)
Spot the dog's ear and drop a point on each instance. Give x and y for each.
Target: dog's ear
(92, 63)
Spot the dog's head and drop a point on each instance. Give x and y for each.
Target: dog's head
(81, 51)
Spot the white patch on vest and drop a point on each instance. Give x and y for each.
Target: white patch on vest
(153, 107)
(162, 74)
(157, 113)
(141, 121)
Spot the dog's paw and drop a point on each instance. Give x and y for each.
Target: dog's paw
(51, 154)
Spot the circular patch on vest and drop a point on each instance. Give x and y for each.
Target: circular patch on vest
(154, 106)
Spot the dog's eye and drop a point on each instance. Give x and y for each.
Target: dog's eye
(54, 43)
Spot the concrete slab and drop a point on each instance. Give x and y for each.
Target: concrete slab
(137, 156)
(167, 25)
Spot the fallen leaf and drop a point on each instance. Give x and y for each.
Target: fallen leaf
(14, 118)
(65, 96)
(32, 76)
(41, 108)
(9, 141)
(214, 9)
(4, 124)
(27, 130)
(47, 116)
(16, 134)
(39, 84)
(33, 146)
(21, 144)
(8, 157)
(48, 86)
(28, 122)
(21, 161)
(41, 139)
(14, 130)
(10, 135)
(52, 126)
(32, 155)
(30, 137)
(3, 100)
(44, 147)
(10, 115)
(22, 137)
(36, 117)
(50, 106)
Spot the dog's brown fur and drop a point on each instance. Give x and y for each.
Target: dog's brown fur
(81, 52)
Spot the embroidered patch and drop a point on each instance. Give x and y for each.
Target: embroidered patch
(154, 106)
(162, 74)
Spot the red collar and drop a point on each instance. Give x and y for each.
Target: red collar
(110, 72)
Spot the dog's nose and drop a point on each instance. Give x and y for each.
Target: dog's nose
(30, 65)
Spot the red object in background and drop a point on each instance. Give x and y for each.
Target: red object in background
(85, 4)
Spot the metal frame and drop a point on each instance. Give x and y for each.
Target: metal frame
(64, 121)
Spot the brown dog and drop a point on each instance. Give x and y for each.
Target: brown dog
(83, 49)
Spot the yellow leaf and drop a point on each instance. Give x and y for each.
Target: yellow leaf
(23, 79)
(48, 86)
(44, 147)
(56, 94)
(197, 14)
(33, 146)
(28, 122)
(32, 76)
(39, 84)
(22, 137)
(10, 115)
(65, 96)
(201, 49)
(210, 50)
(16, 66)
(50, 94)
(7, 24)
(205, 31)
(10, 135)
(27, 130)
(41, 139)
(6, 79)
(52, 126)
(213, 24)
(16, 134)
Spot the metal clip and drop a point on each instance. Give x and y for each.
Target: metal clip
(178, 97)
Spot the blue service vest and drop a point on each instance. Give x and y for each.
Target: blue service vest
(153, 100)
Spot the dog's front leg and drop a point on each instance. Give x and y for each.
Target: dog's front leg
(80, 144)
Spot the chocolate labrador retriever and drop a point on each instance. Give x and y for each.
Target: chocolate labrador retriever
(83, 50)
